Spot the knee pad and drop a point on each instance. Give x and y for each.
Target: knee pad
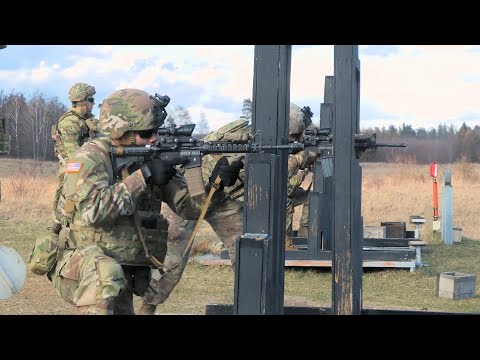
(110, 278)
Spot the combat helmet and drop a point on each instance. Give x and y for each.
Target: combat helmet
(129, 110)
(296, 124)
(80, 91)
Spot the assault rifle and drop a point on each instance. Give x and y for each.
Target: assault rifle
(177, 145)
(321, 141)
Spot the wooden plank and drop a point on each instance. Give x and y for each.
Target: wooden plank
(418, 243)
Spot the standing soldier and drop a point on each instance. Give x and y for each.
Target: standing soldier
(224, 216)
(74, 128)
(309, 125)
(297, 165)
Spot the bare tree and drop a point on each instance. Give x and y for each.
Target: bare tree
(15, 109)
(36, 122)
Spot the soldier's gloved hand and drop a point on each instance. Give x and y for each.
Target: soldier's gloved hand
(159, 171)
(227, 172)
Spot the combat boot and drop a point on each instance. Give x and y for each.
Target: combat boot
(147, 309)
(289, 243)
(216, 247)
(201, 247)
(302, 231)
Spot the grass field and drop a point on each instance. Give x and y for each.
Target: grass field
(390, 192)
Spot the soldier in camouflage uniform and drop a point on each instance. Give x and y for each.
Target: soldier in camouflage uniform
(74, 128)
(303, 224)
(111, 222)
(226, 216)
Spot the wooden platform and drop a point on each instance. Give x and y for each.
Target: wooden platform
(210, 259)
(377, 253)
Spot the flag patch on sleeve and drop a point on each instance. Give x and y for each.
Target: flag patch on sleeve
(73, 167)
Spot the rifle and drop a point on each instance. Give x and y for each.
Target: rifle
(178, 146)
(321, 141)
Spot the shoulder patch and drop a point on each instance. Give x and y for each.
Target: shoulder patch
(73, 167)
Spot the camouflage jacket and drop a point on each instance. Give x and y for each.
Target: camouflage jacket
(240, 130)
(71, 132)
(101, 208)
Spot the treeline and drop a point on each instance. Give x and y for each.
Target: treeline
(28, 134)
(26, 123)
(445, 144)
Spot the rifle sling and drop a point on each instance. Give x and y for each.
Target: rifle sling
(214, 187)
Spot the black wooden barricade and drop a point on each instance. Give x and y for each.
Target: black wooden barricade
(260, 255)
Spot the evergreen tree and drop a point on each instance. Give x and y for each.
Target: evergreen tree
(202, 127)
(247, 109)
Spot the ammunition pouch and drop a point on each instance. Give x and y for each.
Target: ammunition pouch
(43, 256)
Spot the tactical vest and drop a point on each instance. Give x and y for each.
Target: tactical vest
(119, 239)
(87, 131)
(236, 130)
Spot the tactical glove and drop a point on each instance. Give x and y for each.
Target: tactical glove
(159, 171)
(227, 172)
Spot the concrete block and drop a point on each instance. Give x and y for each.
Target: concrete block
(455, 285)
(377, 232)
(457, 234)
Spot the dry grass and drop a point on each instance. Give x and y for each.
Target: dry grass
(393, 192)
(27, 189)
(390, 192)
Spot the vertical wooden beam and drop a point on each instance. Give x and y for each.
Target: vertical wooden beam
(259, 270)
(347, 229)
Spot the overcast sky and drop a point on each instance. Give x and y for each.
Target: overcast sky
(420, 85)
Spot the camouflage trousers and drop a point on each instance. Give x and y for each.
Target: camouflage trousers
(97, 284)
(226, 220)
(298, 198)
(304, 218)
(308, 183)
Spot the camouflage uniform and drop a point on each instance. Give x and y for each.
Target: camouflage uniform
(109, 224)
(296, 172)
(225, 215)
(71, 132)
(303, 224)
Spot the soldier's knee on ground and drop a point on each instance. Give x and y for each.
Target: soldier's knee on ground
(110, 278)
(101, 283)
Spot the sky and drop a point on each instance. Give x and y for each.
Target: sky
(421, 85)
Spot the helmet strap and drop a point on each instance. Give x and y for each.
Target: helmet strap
(132, 138)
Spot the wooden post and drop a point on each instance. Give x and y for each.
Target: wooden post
(260, 252)
(347, 175)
